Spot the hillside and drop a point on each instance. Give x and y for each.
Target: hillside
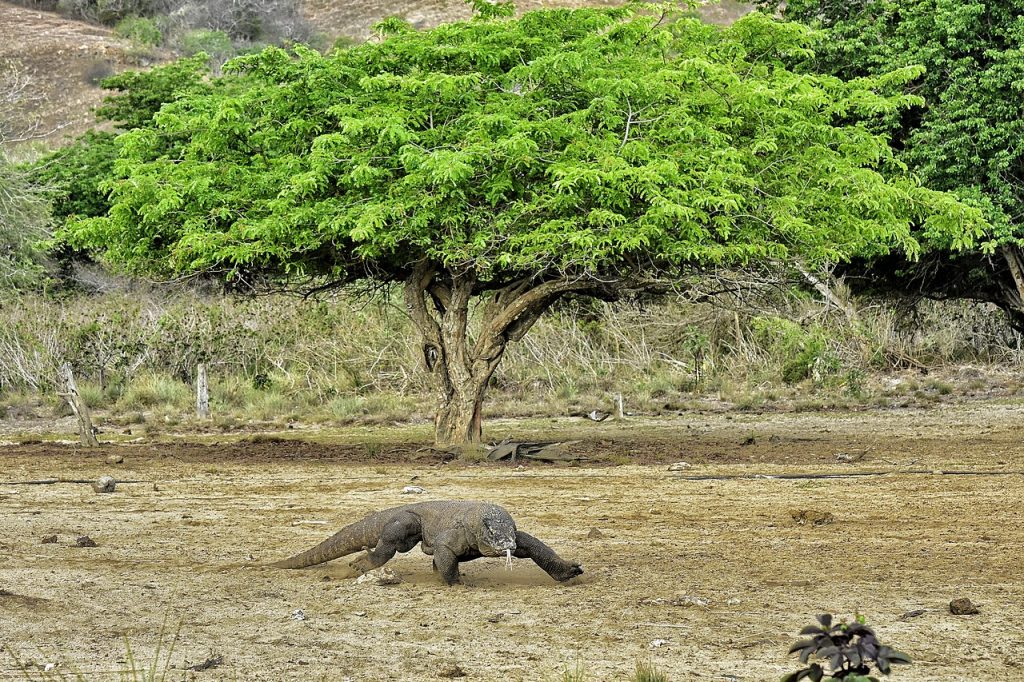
(354, 19)
(65, 60)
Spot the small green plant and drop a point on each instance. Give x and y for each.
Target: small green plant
(139, 30)
(852, 650)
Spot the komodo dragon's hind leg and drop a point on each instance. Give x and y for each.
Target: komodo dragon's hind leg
(401, 534)
(529, 547)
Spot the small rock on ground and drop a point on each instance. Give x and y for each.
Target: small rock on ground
(963, 607)
(85, 541)
(679, 466)
(811, 517)
(49, 540)
(452, 672)
(115, 459)
(595, 534)
(413, 490)
(105, 484)
(380, 576)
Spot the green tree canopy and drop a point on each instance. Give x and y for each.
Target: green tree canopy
(516, 162)
(966, 136)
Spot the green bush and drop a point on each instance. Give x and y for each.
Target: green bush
(802, 353)
(139, 30)
(216, 45)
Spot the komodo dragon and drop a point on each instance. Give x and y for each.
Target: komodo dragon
(450, 531)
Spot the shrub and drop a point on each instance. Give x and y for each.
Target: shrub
(139, 30)
(216, 44)
(155, 390)
(803, 353)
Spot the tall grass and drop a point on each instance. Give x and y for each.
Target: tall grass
(344, 360)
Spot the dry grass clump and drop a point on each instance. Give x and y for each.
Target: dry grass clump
(342, 361)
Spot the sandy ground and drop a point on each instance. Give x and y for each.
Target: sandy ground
(710, 579)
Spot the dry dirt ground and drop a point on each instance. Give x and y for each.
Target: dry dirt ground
(64, 60)
(710, 579)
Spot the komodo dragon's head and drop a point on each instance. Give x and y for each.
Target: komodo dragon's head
(497, 533)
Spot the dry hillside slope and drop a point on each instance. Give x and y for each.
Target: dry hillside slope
(65, 60)
(354, 19)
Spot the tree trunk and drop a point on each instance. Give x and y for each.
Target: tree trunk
(460, 367)
(460, 418)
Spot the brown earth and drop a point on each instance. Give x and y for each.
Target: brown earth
(711, 579)
(65, 59)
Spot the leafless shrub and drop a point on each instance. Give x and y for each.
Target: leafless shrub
(245, 21)
(24, 209)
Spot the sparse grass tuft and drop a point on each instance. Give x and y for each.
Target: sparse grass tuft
(577, 673)
(157, 670)
(646, 672)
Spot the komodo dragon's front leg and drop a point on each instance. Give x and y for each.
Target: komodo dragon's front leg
(529, 547)
(400, 534)
(450, 548)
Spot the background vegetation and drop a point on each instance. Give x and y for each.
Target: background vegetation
(770, 342)
(277, 359)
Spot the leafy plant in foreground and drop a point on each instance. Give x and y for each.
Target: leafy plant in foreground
(852, 649)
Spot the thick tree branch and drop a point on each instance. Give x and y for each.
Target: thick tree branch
(416, 305)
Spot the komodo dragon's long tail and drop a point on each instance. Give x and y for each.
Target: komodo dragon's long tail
(348, 540)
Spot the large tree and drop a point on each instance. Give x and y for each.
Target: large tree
(966, 136)
(507, 164)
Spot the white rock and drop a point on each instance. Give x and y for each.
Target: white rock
(105, 484)
(380, 576)
(298, 614)
(679, 466)
(689, 600)
(657, 643)
(413, 490)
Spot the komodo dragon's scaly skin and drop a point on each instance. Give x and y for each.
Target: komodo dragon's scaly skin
(450, 531)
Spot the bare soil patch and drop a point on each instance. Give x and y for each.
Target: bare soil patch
(720, 571)
(65, 59)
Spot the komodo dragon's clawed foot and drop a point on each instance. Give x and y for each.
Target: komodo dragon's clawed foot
(568, 573)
